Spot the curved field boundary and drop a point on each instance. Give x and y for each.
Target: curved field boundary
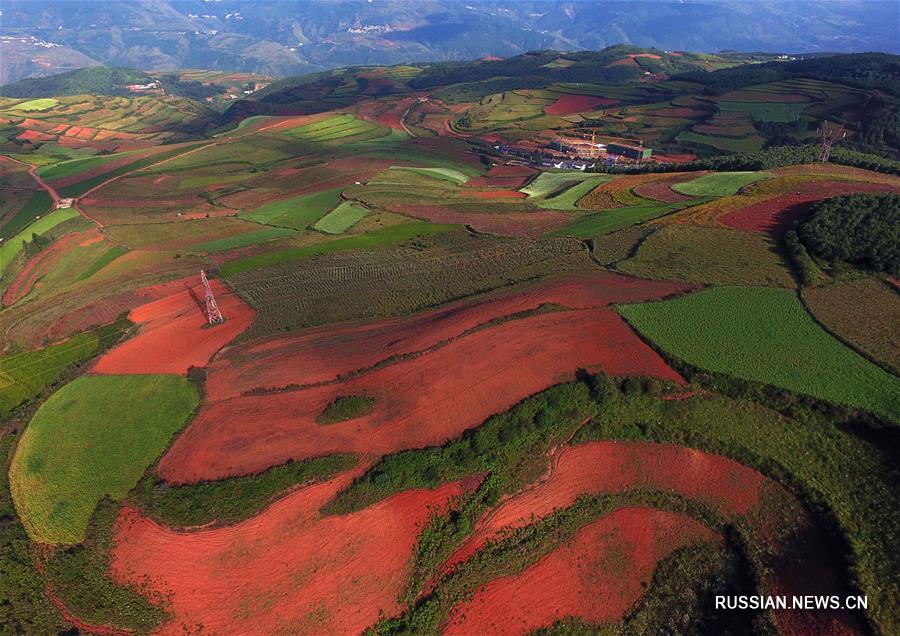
(10, 249)
(288, 566)
(597, 576)
(718, 184)
(93, 438)
(765, 335)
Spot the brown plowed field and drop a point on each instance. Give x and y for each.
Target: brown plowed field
(287, 570)
(174, 335)
(571, 104)
(420, 400)
(597, 576)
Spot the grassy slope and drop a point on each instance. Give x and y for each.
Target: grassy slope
(38, 205)
(242, 240)
(94, 437)
(600, 223)
(765, 335)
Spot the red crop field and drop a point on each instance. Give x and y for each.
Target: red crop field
(777, 215)
(323, 354)
(496, 194)
(604, 467)
(571, 104)
(596, 576)
(174, 335)
(500, 176)
(287, 568)
(662, 190)
(417, 402)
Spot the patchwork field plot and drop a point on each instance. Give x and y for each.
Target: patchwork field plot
(496, 379)
(93, 438)
(710, 255)
(358, 285)
(342, 218)
(765, 335)
(718, 184)
(597, 576)
(297, 212)
(863, 313)
(11, 248)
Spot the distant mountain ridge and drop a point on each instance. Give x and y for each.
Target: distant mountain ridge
(290, 37)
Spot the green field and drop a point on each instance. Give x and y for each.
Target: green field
(339, 128)
(24, 375)
(767, 336)
(36, 104)
(719, 256)
(767, 111)
(380, 238)
(297, 212)
(718, 184)
(568, 198)
(547, 183)
(93, 438)
(749, 144)
(242, 240)
(10, 248)
(38, 205)
(342, 218)
(105, 259)
(599, 223)
(448, 174)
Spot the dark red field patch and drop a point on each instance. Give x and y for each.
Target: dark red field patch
(777, 215)
(571, 104)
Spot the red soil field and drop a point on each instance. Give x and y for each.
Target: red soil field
(606, 467)
(418, 403)
(33, 135)
(597, 576)
(173, 335)
(506, 177)
(495, 194)
(322, 354)
(571, 104)
(287, 569)
(43, 262)
(392, 117)
(506, 224)
(662, 190)
(777, 215)
(685, 157)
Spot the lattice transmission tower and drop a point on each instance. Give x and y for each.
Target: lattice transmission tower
(829, 138)
(213, 315)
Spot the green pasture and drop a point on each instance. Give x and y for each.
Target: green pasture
(765, 335)
(388, 236)
(93, 438)
(718, 184)
(342, 218)
(297, 212)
